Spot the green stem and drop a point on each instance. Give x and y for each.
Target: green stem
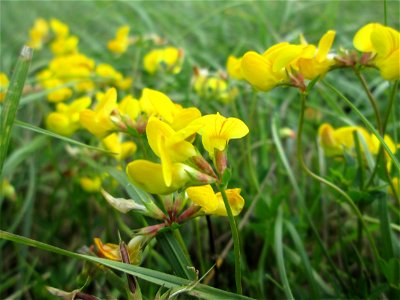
(371, 99)
(236, 241)
(326, 182)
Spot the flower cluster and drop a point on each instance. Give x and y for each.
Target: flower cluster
(291, 64)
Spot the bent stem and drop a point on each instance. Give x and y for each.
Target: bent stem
(326, 182)
(236, 241)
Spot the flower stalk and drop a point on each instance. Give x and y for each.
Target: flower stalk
(236, 241)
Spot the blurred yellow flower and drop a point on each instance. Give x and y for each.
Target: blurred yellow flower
(38, 33)
(396, 184)
(149, 176)
(98, 121)
(63, 42)
(129, 107)
(90, 185)
(166, 59)
(340, 140)
(120, 149)
(3, 86)
(217, 131)
(212, 203)
(65, 120)
(383, 43)
(233, 67)
(320, 63)
(120, 44)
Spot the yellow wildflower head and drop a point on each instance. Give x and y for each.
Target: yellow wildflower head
(98, 121)
(149, 176)
(340, 140)
(383, 43)
(3, 86)
(233, 67)
(320, 63)
(212, 203)
(120, 43)
(169, 145)
(168, 59)
(90, 185)
(120, 149)
(270, 69)
(216, 131)
(38, 33)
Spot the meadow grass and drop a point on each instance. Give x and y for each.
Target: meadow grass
(299, 238)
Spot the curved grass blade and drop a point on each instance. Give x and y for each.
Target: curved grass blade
(11, 101)
(159, 278)
(279, 255)
(57, 136)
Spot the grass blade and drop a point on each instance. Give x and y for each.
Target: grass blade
(11, 101)
(159, 278)
(176, 256)
(279, 255)
(57, 136)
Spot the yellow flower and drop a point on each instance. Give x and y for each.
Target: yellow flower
(124, 83)
(157, 104)
(38, 33)
(169, 145)
(396, 184)
(3, 86)
(64, 46)
(65, 120)
(59, 28)
(120, 44)
(320, 63)
(63, 42)
(90, 185)
(120, 149)
(98, 121)
(382, 42)
(112, 251)
(149, 176)
(216, 131)
(58, 92)
(7, 189)
(337, 141)
(107, 71)
(233, 66)
(129, 107)
(270, 69)
(168, 59)
(212, 203)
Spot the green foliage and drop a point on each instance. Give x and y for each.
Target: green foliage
(330, 232)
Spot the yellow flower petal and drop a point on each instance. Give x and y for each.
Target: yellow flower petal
(203, 196)
(148, 176)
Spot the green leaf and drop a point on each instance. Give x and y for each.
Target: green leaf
(11, 101)
(159, 278)
(176, 256)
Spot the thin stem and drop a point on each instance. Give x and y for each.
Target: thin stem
(326, 182)
(236, 241)
(371, 99)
